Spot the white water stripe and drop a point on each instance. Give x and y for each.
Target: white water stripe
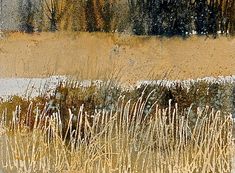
(27, 86)
(35, 86)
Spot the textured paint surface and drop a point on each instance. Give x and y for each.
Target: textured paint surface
(129, 58)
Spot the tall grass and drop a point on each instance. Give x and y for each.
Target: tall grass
(124, 140)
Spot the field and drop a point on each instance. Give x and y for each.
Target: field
(127, 58)
(142, 115)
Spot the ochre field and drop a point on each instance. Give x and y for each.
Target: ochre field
(128, 58)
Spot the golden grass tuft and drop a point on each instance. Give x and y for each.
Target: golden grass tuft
(126, 140)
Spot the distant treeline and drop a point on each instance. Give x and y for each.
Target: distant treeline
(140, 17)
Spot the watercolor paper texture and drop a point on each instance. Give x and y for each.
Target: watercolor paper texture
(101, 86)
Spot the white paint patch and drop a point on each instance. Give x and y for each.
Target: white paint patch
(189, 82)
(30, 87)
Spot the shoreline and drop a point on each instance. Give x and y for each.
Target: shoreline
(35, 86)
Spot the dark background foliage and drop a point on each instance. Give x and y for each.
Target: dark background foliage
(140, 17)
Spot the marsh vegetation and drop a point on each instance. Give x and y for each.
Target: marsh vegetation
(104, 127)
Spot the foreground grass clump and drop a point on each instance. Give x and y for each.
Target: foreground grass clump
(98, 96)
(128, 139)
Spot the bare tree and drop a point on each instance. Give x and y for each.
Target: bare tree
(27, 13)
(91, 20)
(99, 14)
(55, 10)
(105, 11)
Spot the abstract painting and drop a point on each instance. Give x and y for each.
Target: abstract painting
(117, 86)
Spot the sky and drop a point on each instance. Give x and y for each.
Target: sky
(9, 16)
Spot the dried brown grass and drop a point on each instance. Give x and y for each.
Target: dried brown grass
(121, 141)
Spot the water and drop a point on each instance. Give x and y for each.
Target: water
(22, 86)
(27, 86)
